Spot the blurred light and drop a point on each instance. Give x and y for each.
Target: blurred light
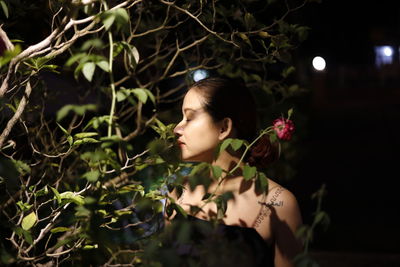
(319, 63)
(388, 51)
(199, 74)
(383, 55)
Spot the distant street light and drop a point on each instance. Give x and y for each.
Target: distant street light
(388, 51)
(319, 63)
(383, 55)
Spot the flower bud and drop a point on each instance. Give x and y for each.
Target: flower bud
(284, 128)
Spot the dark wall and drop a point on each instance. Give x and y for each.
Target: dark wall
(354, 116)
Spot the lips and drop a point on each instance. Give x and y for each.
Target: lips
(180, 143)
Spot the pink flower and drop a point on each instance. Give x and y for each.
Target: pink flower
(284, 128)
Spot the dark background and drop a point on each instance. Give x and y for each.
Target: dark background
(352, 141)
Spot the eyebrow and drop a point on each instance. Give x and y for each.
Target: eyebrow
(191, 109)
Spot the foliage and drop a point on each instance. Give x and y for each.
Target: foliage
(84, 168)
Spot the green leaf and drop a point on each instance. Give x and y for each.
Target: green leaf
(96, 43)
(28, 221)
(179, 210)
(56, 194)
(73, 197)
(121, 95)
(88, 70)
(140, 94)
(132, 188)
(21, 166)
(122, 15)
(262, 182)
(217, 171)
(244, 38)
(60, 230)
(236, 144)
(85, 141)
(63, 129)
(249, 21)
(42, 192)
(103, 64)
(63, 112)
(118, 47)
(87, 247)
(39, 63)
(273, 137)
(11, 107)
(78, 109)
(108, 19)
(119, 16)
(151, 96)
(198, 167)
(74, 58)
(70, 140)
(160, 125)
(286, 72)
(206, 196)
(290, 112)
(222, 204)
(264, 34)
(227, 196)
(9, 54)
(92, 176)
(84, 135)
(5, 8)
(113, 138)
(302, 230)
(132, 52)
(27, 236)
(321, 216)
(23, 206)
(65, 241)
(225, 144)
(249, 172)
(135, 54)
(51, 68)
(82, 212)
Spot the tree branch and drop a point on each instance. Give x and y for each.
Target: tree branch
(17, 114)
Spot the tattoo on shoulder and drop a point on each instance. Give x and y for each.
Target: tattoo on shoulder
(271, 204)
(266, 207)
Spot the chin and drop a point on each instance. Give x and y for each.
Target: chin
(188, 159)
(201, 157)
(195, 159)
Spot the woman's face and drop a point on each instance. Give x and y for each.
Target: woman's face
(198, 135)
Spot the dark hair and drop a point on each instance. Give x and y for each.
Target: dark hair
(230, 98)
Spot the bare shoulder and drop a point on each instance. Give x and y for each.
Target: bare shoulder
(284, 204)
(285, 220)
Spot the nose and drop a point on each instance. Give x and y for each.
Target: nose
(178, 129)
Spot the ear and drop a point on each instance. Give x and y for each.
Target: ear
(226, 129)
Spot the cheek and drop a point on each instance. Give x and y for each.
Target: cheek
(202, 135)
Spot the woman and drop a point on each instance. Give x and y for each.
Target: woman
(215, 109)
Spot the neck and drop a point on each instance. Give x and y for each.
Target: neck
(234, 182)
(227, 162)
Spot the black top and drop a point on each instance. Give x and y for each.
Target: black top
(199, 241)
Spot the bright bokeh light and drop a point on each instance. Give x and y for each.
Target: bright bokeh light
(387, 51)
(383, 55)
(199, 74)
(318, 63)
